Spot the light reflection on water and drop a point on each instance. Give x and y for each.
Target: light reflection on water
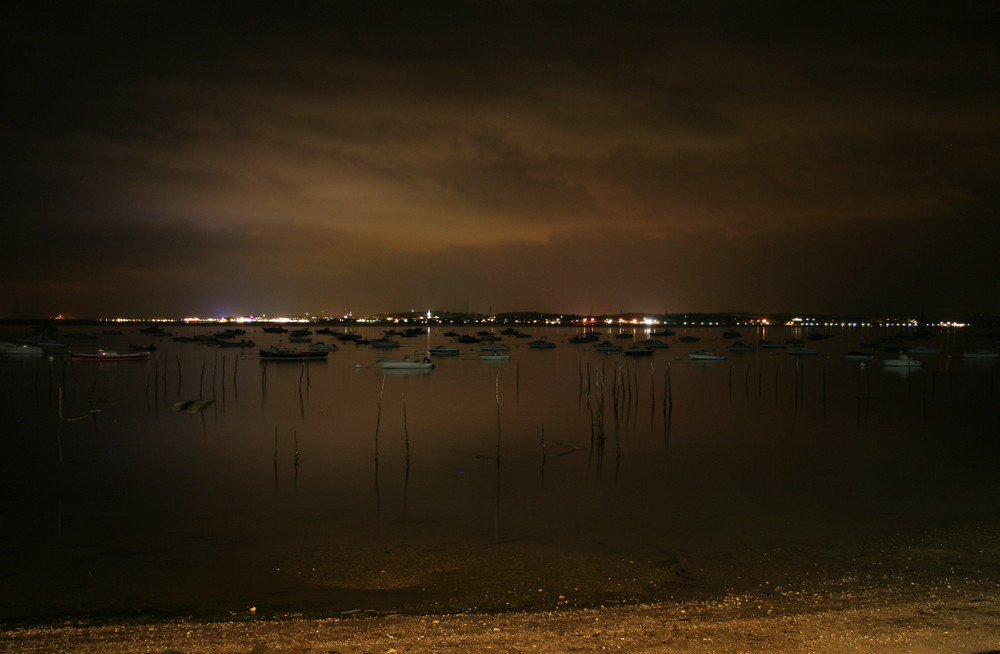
(564, 450)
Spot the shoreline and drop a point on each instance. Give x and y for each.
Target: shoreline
(936, 592)
(875, 618)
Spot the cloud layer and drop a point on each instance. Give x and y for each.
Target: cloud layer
(177, 160)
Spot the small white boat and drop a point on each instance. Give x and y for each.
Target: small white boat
(705, 355)
(20, 350)
(406, 364)
(802, 350)
(980, 354)
(495, 356)
(443, 350)
(902, 362)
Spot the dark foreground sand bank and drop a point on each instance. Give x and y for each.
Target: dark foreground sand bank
(938, 593)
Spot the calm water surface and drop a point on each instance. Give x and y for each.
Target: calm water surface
(335, 485)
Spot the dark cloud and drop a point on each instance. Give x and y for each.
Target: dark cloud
(176, 158)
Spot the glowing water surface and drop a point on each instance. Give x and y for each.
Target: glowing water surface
(559, 475)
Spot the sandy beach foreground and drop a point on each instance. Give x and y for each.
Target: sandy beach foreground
(964, 618)
(937, 593)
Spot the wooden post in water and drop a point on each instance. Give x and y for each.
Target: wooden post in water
(178, 358)
(543, 455)
(378, 419)
(59, 426)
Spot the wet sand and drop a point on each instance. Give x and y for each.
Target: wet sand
(936, 593)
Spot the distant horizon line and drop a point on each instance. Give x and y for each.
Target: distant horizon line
(554, 318)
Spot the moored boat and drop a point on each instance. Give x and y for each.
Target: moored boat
(802, 350)
(980, 354)
(608, 346)
(740, 346)
(20, 350)
(109, 355)
(406, 363)
(705, 355)
(443, 350)
(638, 350)
(541, 345)
(290, 354)
(902, 362)
(653, 344)
(384, 343)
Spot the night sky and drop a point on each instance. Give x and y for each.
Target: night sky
(166, 159)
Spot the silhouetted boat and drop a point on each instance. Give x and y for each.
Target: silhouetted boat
(384, 343)
(541, 345)
(406, 364)
(443, 350)
(290, 354)
(705, 355)
(109, 355)
(980, 354)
